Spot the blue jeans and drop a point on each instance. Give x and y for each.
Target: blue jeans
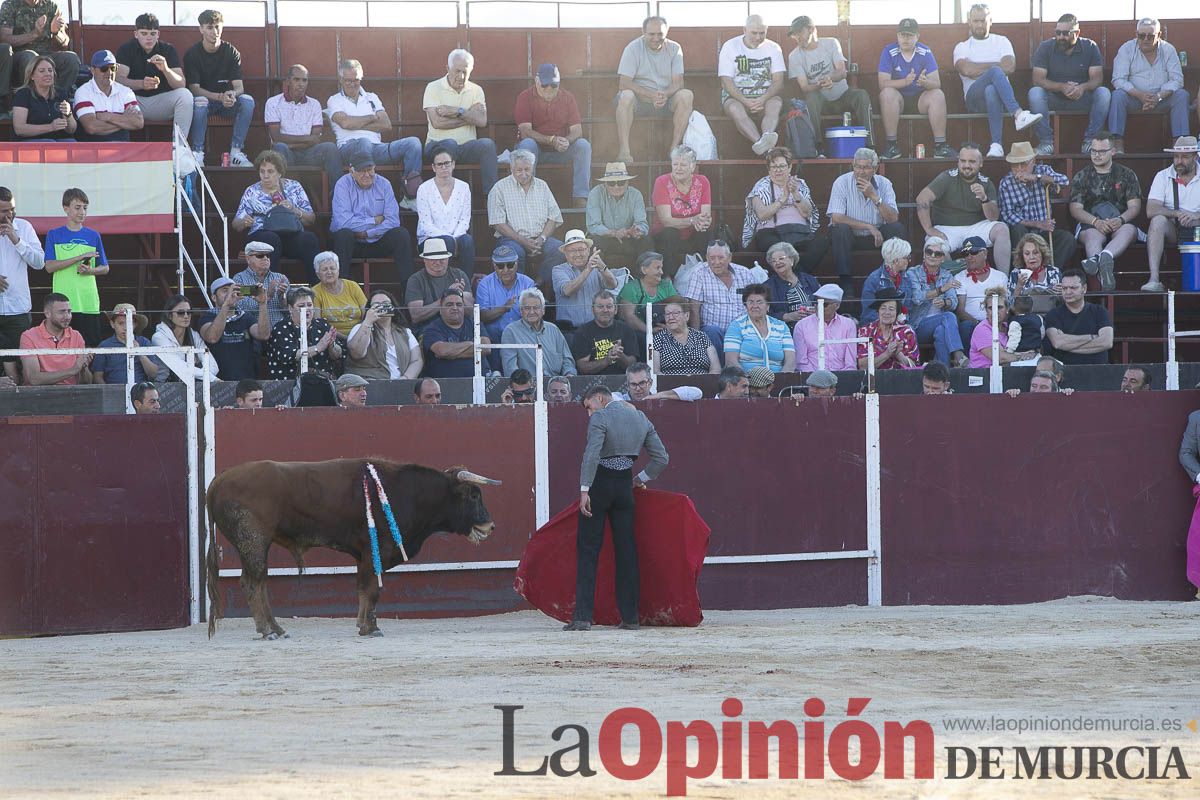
(241, 111)
(406, 152)
(991, 93)
(717, 337)
(1095, 102)
(476, 151)
(1176, 105)
(579, 154)
(550, 257)
(463, 250)
(324, 155)
(942, 328)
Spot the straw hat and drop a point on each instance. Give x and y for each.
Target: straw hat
(1184, 144)
(139, 320)
(615, 171)
(1020, 153)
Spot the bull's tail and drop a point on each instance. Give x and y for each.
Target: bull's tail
(216, 600)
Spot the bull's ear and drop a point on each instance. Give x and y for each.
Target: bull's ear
(470, 477)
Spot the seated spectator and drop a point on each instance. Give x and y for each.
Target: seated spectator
(909, 84)
(351, 391)
(935, 378)
(423, 292)
(366, 219)
(524, 214)
(449, 343)
(55, 333)
(791, 291)
(456, 110)
(806, 335)
(497, 293)
(32, 29)
(1147, 76)
(284, 350)
(780, 208)
(444, 211)
(981, 337)
(616, 216)
(1172, 204)
(893, 343)
(682, 208)
(1033, 275)
(820, 69)
(427, 392)
(973, 284)
(297, 126)
(1068, 75)
(889, 276)
(1079, 332)
(646, 284)
(549, 126)
(359, 119)
(1105, 199)
(175, 330)
(143, 396)
(680, 349)
(20, 251)
(1136, 379)
(74, 256)
(931, 299)
(961, 203)
(759, 381)
(381, 347)
(758, 339)
(650, 83)
(1026, 331)
(231, 332)
(248, 394)
(558, 390)
(604, 345)
(716, 292)
(520, 388)
(578, 280)
(276, 210)
(112, 368)
(40, 112)
(751, 70)
(106, 110)
(863, 212)
(340, 301)
(638, 384)
(258, 274)
(1024, 200)
(733, 384)
(821, 383)
(152, 69)
(532, 328)
(214, 75)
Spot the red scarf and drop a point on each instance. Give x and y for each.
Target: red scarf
(979, 277)
(1037, 274)
(895, 278)
(931, 277)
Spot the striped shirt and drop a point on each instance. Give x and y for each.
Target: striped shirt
(721, 304)
(526, 211)
(1020, 200)
(845, 198)
(755, 350)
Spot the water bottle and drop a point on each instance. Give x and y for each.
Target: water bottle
(1196, 234)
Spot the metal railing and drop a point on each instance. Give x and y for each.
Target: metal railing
(199, 216)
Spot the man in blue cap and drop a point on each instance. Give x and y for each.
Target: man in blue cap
(497, 293)
(550, 127)
(974, 283)
(366, 218)
(107, 111)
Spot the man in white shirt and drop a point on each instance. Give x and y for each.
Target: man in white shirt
(651, 83)
(974, 283)
(819, 68)
(1172, 204)
(751, 71)
(984, 62)
(20, 251)
(297, 126)
(107, 111)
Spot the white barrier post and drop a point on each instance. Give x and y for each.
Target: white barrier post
(541, 451)
(650, 347)
(129, 360)
(195, 578)
(303, 339)
(1172, 364)
(820, 333)
(995, 374)
(874, 515)
(210, 461)
(478, 392)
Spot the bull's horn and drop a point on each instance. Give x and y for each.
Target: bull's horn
(471, 477)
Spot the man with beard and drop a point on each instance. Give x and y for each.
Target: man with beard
(1105, 199)
(1173, 203)
(604, 345)
(961, 203)
(1068, 75)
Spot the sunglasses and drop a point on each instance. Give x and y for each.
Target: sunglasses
(107, 68)
(617, 183)
(506, 266)
(1066, 33)
(1147, 36)
(523, 392)
(929, 251)
(187, 312)
(717, 243)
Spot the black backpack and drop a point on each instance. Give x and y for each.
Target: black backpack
(313, 388)
(801, 133)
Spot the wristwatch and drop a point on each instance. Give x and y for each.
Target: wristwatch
(461, 111)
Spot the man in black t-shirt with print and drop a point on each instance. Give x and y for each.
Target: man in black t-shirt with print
(604, 345)
(1078, 332)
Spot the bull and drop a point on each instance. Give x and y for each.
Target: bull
(300, 505)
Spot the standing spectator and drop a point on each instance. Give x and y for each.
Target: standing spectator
(381, 346)
(616, 216)
(1173, 203)
(359, 119)
(175, 330)
(366, 219)
(151, 68)
(32, 28)
(444, 211)
(780, 208)
(751, 70)
(974, 283)
(929, 295)
(275, 210)
(257, 273)
(791, 292)
(1105, 199)
(449, 343)
(497, 293)
(231, 333)
(682, 207)
(680, 349)
(716, 292)
(646, 284)
(248, 394)
(340, 301)
(75, 256)
(984, 62)
(578, 280)
(909, 84)
(1033, 275)
(55, 333)
(981, 336)
(20, 251)
(111, 368)
(650, 83)
(456, 110)
(893, 343)
(144, 398)
(549, 126)
(863, 212)
(604, 345)
(837, 326)
(961, 203)
(886, 278)
(40, 111)
(819, 68)
(1068, 75)
(757, 339)
(524, 213)
(106, 111)
(424, 290)
(428, 392)
(297, 125)
(1147, 76)
(1024, 200)
(1079, 332)
(532, 328)
(283, 349)
(214, 75)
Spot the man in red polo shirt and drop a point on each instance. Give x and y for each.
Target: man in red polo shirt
(55, 333)
(549, 126)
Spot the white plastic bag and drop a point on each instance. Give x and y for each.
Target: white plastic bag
(683, 278)
(699, 136)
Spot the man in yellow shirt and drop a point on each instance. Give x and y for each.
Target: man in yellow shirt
(456, 110)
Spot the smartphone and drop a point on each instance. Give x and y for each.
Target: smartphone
(277, 198)
(248, 291)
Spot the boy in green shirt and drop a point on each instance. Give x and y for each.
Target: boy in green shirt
(75, 256)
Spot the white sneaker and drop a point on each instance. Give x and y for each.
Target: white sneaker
(238, 159)
(1025, 118)
(1153, 286)
(765, 143)
(996, 150)
(407, 203)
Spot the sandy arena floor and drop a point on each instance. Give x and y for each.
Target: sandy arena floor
(327, 714)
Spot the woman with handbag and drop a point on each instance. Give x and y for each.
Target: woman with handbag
(276, 211)
(780, 208)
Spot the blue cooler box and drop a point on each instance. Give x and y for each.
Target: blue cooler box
(841, 142)
(1190, 256)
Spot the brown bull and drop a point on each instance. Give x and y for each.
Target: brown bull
(298, 505)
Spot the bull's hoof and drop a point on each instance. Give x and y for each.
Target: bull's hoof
(376, 633)
(270, 637)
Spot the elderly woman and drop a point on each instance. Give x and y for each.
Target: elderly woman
(682, 208)
(894, 343)
(175, 330)
(616, 216)
(981, 339)
(680, 349)
(758, 339)
(339, 300)
(40, 112)
(283, 348)
(780, 208)
(381, 346)
(896, 254)
(276, 211)
(791, 292)
(1032, 274)
(651, 287)
(929, 294)
(444, 211)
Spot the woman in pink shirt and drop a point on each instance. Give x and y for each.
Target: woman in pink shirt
(981, 339)
(682, 207)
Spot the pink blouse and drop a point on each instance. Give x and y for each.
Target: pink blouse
(682, 205)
